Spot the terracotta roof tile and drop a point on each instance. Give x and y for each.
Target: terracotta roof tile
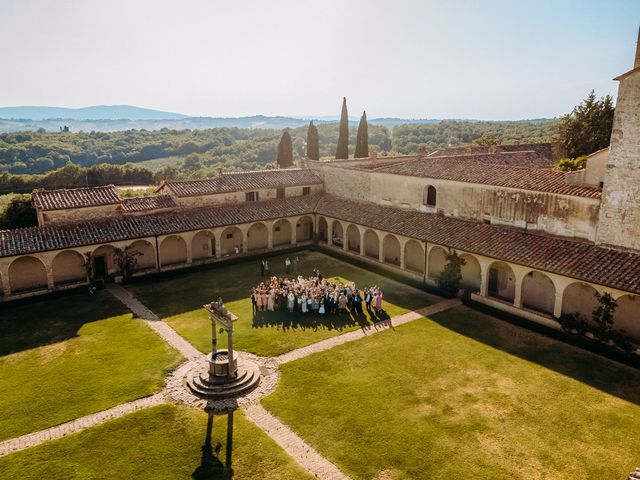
(242, 181)
(466, 170)
(75, 198)
(577, 259)
(152, 202)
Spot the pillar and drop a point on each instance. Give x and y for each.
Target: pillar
(517, 298)
(218, 240)
(231, 365)
(484, 279)
(380, 248)
(294, 232)
(361, 242)
(557, 305)
(270, 236)
(4, 274)
(189, 245)
(245, 241)
(402, 245)
(345, 238)
(329, 232)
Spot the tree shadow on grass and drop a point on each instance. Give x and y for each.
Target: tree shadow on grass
(591, 369)
(50, 319)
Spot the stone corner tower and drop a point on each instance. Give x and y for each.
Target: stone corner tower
(619, 223)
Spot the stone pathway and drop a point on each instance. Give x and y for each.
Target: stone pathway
(365, 332)
(301, 451)
(59, 431)
(155, 323)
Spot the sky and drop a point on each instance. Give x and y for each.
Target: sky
(489, 59)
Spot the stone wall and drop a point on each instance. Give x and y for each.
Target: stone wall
(77, 214)
(620, 211)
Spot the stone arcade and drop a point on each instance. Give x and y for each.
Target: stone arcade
(537, 243)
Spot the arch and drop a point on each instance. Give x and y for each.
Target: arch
(68, 267)
(146, 258)
(353, 238)
(429, 194)
(282, 232)
(257, 237)
(104, 261)
(371, 244)
(173, 251)
(437, 261)
(203, 245)
(579, 298)
(337, 233)
(471, 273)
(27, 274)
(2, 280)
(627, 315)
(304, 229)
(538, 292)
(391, 249)
(414, 256)
(231, 241)
(501, 282)
(323, 229)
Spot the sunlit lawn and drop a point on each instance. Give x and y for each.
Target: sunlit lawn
(463, 395)
(164, 442)
(62, 358)
(178, 299)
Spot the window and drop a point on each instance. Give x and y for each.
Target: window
(280, 192)
(229, 235)
(429, 196)
(306, 190)
(251, 196)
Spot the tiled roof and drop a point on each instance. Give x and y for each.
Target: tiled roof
(75, 198)
(242, 181)
(461, 169)
(141, 204)
(576, 259)
(58, 236)
(544, 151)
(528, 158)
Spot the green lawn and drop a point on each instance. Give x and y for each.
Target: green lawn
(178, 299)
(464, 395)
(164, 442)
(62, 358)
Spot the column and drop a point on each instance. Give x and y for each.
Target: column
(380, 249)
(329, 233)
(270, 236)
(49, 269)
(231, 364)
(294, 232)
(218, 240)
(245, 241)
(517, 301)
(189, 245)
(4, 275)
(402, 245)
(484, 279)
(345, 238)
(557, 305)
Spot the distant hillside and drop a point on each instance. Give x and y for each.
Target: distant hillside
(96, 112)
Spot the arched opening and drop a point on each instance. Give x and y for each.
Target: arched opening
(231, 241)
(627, 315)
(173, 251)
(579, 298)
(323, 230)
(501, 282)
(371, 244)
(338, 234)
(146, 255)
(281, 233)
(471, 273)
(429, 196)
(203, 245)
(257, 237)
(391, 249)
(414, 256)
(1, 285)
(437, 261)
(353, 238)
(304, 229)
(68, 267)
(538, 292)
(104, 261)
(27, 274)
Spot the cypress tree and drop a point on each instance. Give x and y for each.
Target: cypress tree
(342, 150)
(285, 151)
(313, 143)
(362, 138)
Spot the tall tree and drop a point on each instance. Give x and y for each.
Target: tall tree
(588, 127)
(313, 143)
(342, 150)
(362, 138)
(285, 150)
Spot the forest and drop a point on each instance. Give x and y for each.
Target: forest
(234, 148)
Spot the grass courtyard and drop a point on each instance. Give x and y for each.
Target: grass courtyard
(178, 300)
(463, 395)
(65, 357)
(457, 395)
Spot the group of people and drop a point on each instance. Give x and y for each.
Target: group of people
(314, 294)
(288, 265)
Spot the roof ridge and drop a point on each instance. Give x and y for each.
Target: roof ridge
(236, 173)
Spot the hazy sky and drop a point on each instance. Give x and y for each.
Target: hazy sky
(489, 59)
